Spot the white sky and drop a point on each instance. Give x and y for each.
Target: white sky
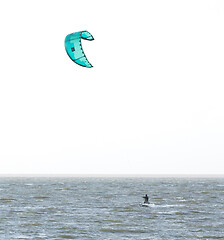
(152, 104)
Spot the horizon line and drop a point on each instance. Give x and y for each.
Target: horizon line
(116, 175)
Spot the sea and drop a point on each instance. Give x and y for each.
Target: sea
(99, 208)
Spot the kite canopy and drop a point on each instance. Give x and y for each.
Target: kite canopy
(74, 49)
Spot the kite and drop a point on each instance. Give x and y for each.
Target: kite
(74, 49)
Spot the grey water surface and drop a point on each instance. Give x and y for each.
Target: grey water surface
(110, 208)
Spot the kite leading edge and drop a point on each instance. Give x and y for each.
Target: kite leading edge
(74, 49)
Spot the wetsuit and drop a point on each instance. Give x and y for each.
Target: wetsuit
(146, 199)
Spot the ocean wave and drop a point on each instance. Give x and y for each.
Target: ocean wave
(7, 199)
(112, 230)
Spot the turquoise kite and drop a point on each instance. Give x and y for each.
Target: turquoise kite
(74, 49)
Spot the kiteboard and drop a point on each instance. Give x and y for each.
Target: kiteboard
(145, 204)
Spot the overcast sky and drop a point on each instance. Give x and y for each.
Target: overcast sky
(152, 104)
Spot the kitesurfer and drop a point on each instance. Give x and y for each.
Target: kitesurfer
(146, 199)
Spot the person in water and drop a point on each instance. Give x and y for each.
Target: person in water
(146, 199)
